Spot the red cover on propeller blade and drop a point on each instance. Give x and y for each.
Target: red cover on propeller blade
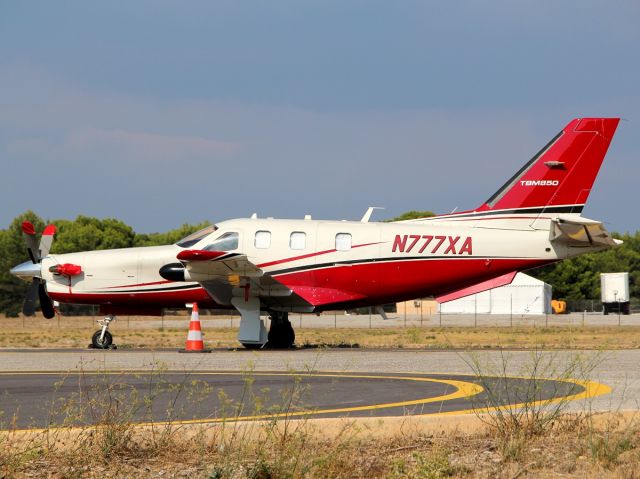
(50, 230)
(27, 228)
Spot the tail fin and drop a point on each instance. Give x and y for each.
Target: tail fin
(560, 176)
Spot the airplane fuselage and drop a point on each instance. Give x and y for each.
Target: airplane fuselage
(329, 264)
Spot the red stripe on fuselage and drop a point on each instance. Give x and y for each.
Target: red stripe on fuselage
(310, 255)
(498, 218)
(139, 284)
(163, 299)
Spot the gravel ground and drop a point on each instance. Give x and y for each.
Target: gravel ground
(617, 369)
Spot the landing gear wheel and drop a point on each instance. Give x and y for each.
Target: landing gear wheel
(281, 334)
(107, 340)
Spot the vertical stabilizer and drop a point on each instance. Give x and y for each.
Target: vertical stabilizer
(560, 176)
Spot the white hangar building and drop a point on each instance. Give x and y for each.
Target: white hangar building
(525, 295)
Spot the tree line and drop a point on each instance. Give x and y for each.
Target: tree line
(574, 279)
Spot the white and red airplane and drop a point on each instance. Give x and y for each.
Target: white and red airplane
(280, 266)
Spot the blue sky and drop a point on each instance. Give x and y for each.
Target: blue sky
(165, 112)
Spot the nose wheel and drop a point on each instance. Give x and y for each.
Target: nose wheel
(102, 339)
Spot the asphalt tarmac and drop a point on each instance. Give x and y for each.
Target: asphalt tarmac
(40, 399)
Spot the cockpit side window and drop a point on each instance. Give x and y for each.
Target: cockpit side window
(193, 238)
(226, 242)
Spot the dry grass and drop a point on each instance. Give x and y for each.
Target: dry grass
(75, 332)
(575, 446)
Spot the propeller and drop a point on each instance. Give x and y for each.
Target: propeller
(38, 285)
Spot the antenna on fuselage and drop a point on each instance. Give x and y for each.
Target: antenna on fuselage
(369, 212)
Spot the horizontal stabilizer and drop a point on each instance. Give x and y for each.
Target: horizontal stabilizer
(577, 231)
(478, 288)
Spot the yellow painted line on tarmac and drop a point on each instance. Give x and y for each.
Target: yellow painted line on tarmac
(463, 389)
(592, 389)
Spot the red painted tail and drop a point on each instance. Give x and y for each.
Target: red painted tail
(560, 176)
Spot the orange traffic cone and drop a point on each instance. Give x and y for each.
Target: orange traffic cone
(195, 343)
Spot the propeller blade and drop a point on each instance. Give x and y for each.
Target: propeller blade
(32, 245)
(45, 302)
(29, 305)
(47, 240)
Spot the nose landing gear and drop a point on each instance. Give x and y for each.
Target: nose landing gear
(102, 339)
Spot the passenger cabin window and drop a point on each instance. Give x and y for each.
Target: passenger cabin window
(298, 240)
(226, 242)
(263, 239)
(343, 241)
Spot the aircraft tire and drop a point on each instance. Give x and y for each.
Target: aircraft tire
(281, 335)
(106, 342)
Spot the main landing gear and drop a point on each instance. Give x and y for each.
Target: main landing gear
(281, 334)
(102, 338)
(253, 334)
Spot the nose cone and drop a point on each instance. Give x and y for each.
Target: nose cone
(27, 271)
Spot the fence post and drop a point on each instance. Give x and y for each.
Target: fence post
(335, 320)
(440, 314)
(619, 321)
(369, 317)
(405, 314)
(511, 312)
(300, 320)
(420, 312)
(584, 311)
(475, 311)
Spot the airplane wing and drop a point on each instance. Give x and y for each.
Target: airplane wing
(225, 275)
(204, 265)
(578, 231)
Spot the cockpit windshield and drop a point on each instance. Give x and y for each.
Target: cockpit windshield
(193, 238)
